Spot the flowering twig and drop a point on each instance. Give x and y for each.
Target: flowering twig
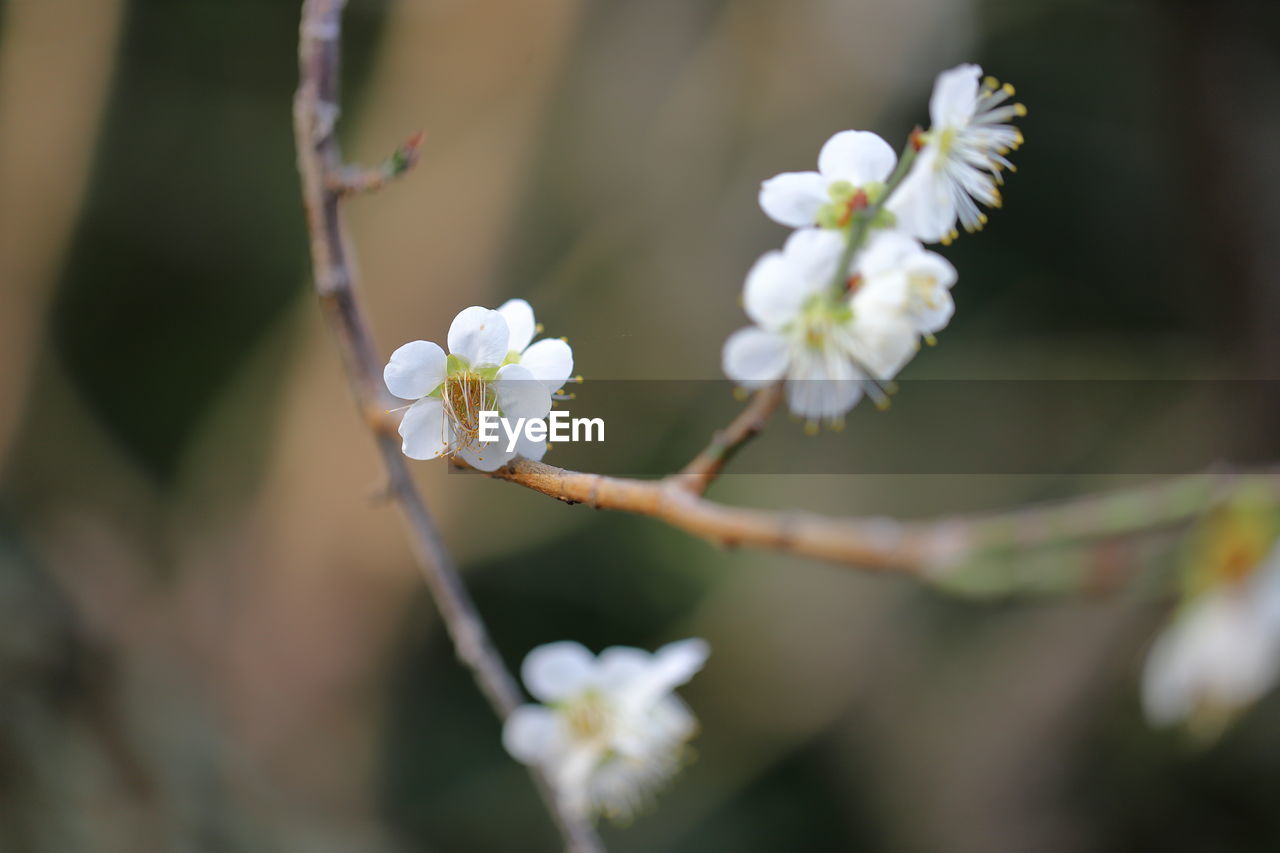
(865, 214)
(325, 179)
(931, 549)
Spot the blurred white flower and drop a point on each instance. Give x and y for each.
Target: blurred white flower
(550, 359)
(1219, 654)
(449, 392)
(852, 168)
(824, 343)
(610, 732)
(893, 263)
(961, 158)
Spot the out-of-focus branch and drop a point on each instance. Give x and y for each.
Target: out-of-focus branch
(930, 549)
(325, 180)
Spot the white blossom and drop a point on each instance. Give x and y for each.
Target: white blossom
(961, 157)
(895, 264)
(449, 392)
(1219, 654)
(825, 343)
(550, 359)
(852, 165)
(610, 731)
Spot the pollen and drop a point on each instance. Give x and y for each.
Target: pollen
(465, 396)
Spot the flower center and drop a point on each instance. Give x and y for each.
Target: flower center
(587, 716)
(845, 199)
(466, 394)
(925, 288)
(946, 139)
(821, 314)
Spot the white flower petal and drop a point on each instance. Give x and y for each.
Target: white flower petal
(923, 205)
(793, 198)
(770, 296)
(856, 156)
(930, 277)
(823, 386)
(618, 667)
(673, 720)
(423, 430)
(415, 370)
(480, 336)
(754, 357)
(883, 343)
(887, 251)
(557, 671)
(521, 326)
(520, 394)
(955, 95)
(672, 665)
(1219, 655)
(550, 360)
(487, 455)
(572, 776)
(532, 734)
(529, 448)
(813, 254)
(780, 282)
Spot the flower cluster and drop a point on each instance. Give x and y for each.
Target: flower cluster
(843, 306)
(610, 731)
(493, 365)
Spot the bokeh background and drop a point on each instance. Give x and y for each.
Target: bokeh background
(212, 636)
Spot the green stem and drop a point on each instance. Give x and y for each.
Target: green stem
(860, 227)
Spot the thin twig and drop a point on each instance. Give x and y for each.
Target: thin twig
(698, 475)
(928, 548)
(353, 180)
(325, 179)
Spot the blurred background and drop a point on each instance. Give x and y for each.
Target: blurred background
(212, 635)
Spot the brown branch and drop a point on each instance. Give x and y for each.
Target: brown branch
(325, 180)
(698, 475)
(928, 548)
